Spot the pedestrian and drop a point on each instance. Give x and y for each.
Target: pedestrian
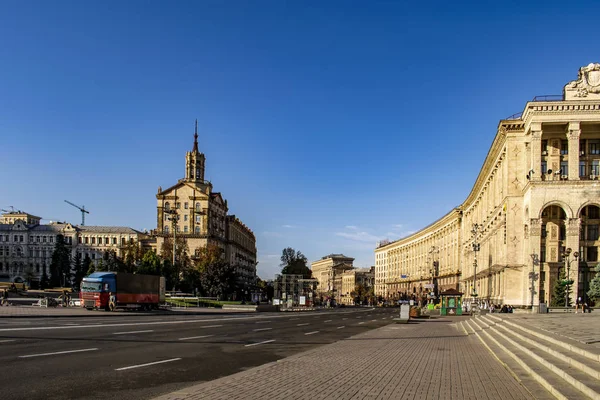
(5, 297)
(578, 303)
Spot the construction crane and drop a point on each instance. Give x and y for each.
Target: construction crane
(82, 209)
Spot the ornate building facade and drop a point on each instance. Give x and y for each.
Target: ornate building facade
(328, 273)
(190, 209)
(26, 246)
(533, 212)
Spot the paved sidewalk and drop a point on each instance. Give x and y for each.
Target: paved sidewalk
(428, 359)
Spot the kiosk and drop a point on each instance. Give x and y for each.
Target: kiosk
(451, 302)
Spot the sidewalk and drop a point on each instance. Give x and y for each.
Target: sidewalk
(425, 359)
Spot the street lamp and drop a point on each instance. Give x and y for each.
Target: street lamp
(433, 251)
(534, 260)
(568, 282)
(476, 247)
(173, 217)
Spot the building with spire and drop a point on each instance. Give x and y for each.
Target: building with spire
(191, 210)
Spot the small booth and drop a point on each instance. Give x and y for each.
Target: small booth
(451, 300)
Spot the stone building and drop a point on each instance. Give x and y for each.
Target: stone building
(26, 246)
(352, 278)
(533, 208)
(328, 273)
(190, 209)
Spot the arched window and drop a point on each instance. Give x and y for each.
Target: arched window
(167, 206)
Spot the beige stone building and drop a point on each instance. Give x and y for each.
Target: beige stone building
(26, 246)
(354, 277)
(190, 209)
(537, 195)
(328, 273)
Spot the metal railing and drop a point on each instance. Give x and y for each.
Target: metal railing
(548, 97)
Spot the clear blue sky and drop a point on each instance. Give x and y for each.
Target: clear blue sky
(327, 125)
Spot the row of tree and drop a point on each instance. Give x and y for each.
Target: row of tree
(207, 273)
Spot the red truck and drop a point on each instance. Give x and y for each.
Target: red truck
(110, 290)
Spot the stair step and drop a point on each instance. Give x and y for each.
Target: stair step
(573, 383)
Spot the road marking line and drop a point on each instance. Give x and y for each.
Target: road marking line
(211, 326)
(72, 324)
(58, 352)
(131, 332)
(328, 320)
(262, 329)
(360, 323)
(306, 323)
(344, 318)
(147, 364)
(8, 340)
(340, 327)
(256, 344)
(195, 337)
(311, 333)
(294, 319)
(262, 322)
(373, 320)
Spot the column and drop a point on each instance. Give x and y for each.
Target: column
(573, 134)
(536, 151)
(573, 229)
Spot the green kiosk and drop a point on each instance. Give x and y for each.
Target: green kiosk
(451, 302)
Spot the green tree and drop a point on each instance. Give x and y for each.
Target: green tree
(559, 291)
(132, 256)
(594, 291)
(29, 275)
(60, 266)
(294, 262)
(89, 267)
(150, 264)
(218, 279)
(45, 282)
(78, 270)
(182, 260)
(359, 294)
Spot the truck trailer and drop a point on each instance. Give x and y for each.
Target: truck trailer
(111, 290)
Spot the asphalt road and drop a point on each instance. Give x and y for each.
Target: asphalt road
(141, 356)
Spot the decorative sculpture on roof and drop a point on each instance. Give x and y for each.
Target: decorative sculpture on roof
(586, 86)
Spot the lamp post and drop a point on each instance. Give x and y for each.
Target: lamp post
(534, 260)
(433, 251)
(568, 282)
(173, 217)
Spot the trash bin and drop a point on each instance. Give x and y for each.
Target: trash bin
(543, 308)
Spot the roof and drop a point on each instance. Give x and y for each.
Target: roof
(107, 229)
(451, 292)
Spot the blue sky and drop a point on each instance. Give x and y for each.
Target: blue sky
(327, 125)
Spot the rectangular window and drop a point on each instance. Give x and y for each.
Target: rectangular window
(544, 167)
(564, 168)
(21, 238)
(122, 241)
(52, 239)
(93, 240)
(79, 239)
(1, 251)
(107, 240)
(93, 256)
(30, 252)
(185, 228)
(582, 168)
(185, 217)
(594, 147)
(37, 239)
(592, 232)
(564, 147)
(177, 228)
(44, 253)
(177, 205)
(592, 253)
(99, 240)
(43, 239)
(595, 170)
(16, 238)
(114, 240)
(185, 205)
(197, 218)
(87, 240)
(544, 147)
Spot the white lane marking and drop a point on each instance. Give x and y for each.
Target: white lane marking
(262, 329)
(373, 320)
(262, 322)
(344, 318)
(360, 323)
(294, 319)
(327, 320)
(340, 327)
(131, 332)
(195, 337)
(306, 323)
(256, 344)
(211, 326)
(8, 340)
(311, 333)
(58, 352)
(147, 364)
(72, 324)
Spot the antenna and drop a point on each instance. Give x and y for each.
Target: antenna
(82, 209)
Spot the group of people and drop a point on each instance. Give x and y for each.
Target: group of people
(582, 305)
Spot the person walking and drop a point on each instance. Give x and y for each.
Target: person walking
(5, 298)
(577, 304)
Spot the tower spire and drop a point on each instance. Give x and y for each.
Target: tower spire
(196, 137)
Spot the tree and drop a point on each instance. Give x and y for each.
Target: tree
(359, 294)
(594, 292)
(132, 255)
(45, 281)
(112, 262)
(294, 262)
(218, 279)
(29, 275)
(559, 291)
(89, 267)
(150, 264)
(78, 270)
(60, 266)
(182, 260)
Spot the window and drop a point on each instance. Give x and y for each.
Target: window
(166, 230)
(177, 228)
(592, 254)
(592, 232)
(544, 232)
(185, 217)
(582, 168)
(107, 240)
(593, 213)
(197, 229)
(177, 205)
(594, 147)
(43, 239)
(198, 219)
(51, 239)
(44, 253)
(544, 167)
(167, 206)
(99, 240)
(1, 251)
(30, 252)
(93, 240)
(544, 147)
(87, 240)
(564, 147)
(198, 209)
(185, 205)
(185, 228)
(122, 241)
(114, 241)
(93, 256)
(79, 239)
(16, 238)
(595, 170)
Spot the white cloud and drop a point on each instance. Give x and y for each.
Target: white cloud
(358, 236)
(288, 226)
(352, 227)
